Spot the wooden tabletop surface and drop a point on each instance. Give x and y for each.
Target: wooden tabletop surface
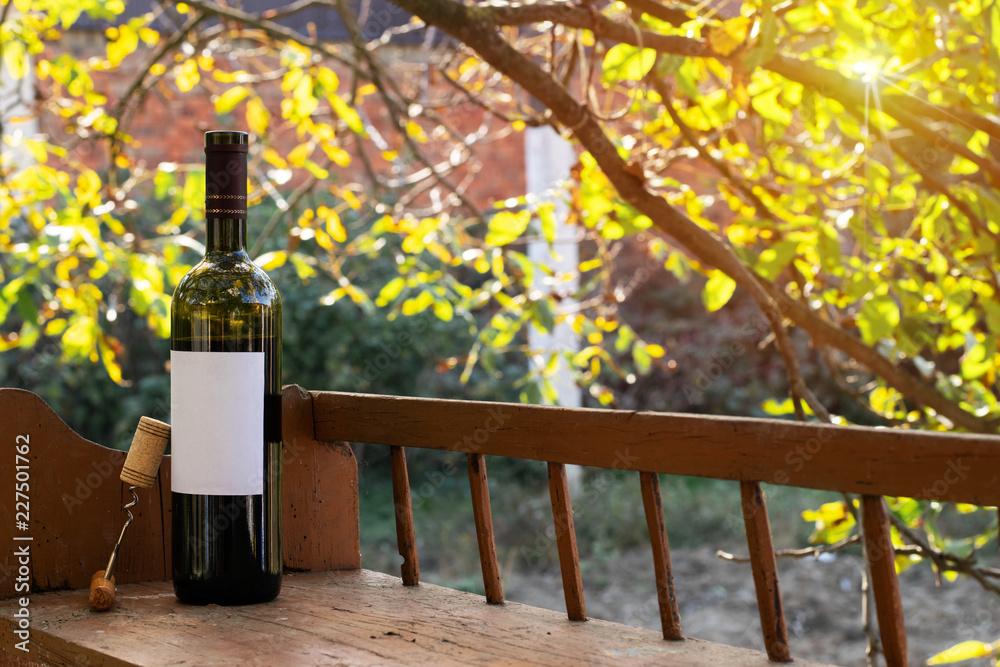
(355, 617)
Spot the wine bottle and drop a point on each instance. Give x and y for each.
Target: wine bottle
(225, 361)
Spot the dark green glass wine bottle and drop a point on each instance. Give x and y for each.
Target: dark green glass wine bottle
(225, 393)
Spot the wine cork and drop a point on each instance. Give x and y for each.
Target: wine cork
(143, 460)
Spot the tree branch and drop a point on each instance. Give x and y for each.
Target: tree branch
(475, 27)
(906, 109)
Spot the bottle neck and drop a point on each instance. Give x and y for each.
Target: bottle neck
(226, 235)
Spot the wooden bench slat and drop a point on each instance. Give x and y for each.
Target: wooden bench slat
(765, 572)
(406, 539)
(351, 617)
(885, 586)
(850, 459)
(670, 617)
(484, 528)
(569, 560)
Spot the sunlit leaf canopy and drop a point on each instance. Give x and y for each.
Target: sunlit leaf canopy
(837, 162)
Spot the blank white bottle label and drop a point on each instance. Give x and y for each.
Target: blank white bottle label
(217, 423)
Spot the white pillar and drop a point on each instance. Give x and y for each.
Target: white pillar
(548, 159)
(16, 96)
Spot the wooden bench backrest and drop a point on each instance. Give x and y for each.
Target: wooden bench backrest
(870, 462)
(75, 500)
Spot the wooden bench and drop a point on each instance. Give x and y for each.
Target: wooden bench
(332, 611)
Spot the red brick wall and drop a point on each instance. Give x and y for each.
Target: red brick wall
(168, 125)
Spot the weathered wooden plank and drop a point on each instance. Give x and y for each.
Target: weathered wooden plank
(484, 528)
(319, 483)
(569, 560)
(74, 504)
(670, 616)
(950, 467)
(765, 572)
(351, 617)
(885, 586)
(406, 539)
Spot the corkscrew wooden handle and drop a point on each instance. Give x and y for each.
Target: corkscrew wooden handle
(143, 460)
(102, 591)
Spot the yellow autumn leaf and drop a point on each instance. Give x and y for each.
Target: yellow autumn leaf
(963, 651)
(127, 41)
(258, 116)
(188, 76)
(323, 239)
(443, 311)
(271, 260)
(334, 227)
(416, 132)
(726, 38)
(149, 36)
(350, 199)
(340, 157)
(655, 351)
(299, 154)
(14, 59)
(88, 184)
(271, 156)
(225, 102)
(64, 267)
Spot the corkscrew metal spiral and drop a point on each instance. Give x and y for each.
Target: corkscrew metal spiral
(110, 569)
(140, 471)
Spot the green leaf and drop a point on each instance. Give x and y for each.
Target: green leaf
(193, 194)
(8, 296)
(303, 268)
(877, 319)
(506, 227)
(829, 249)
(26, 307)
(963, 651)
(643, 360)
(767, 42)
(774, 259)
(718, 290)
(164, 179)
(624, 62)
(544, 315)
(978, 360)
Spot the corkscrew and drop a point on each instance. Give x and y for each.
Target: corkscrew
(141, 465)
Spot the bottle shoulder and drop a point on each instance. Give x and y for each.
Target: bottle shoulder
(227, 280)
